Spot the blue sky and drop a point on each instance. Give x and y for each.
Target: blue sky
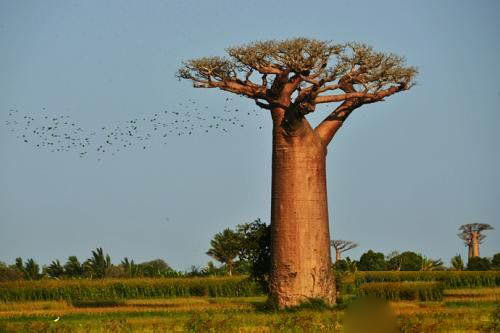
(402, 175)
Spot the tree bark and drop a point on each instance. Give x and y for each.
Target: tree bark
(300, 245)
(337, 255)
(475, 244)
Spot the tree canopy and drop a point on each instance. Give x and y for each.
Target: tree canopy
(298, 74)
(342, 245)
(467, 230)
(224, 247)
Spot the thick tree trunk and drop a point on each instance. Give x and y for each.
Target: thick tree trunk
(300, 245)
(475, 244)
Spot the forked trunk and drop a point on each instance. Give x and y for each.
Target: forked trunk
(301, 259)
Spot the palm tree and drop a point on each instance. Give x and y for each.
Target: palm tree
(98, 264)
(30, 269)
(55, 270)
(73, 268)
(130, 267)
(224, 248)
(457, 262)
(431, 265)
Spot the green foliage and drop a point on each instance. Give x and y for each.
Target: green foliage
(127, 288)
(225, 248)
(431, 265)
(29, 270)
(55, 270)
(255, 249)
(495, 262)
(450, 279)
(372, 261)
(457, 262)
(98, 265)
(423, 291)
(156, 268)
(9, 273)
(73, 268)
(406, 261)
(346, 265)
(478, 264)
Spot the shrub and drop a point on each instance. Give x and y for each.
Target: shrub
(372, 261)
(406, 261)
(478, 264)
(423, 291)
(9, 273)
(495, 262)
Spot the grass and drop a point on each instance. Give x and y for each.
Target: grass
(450, 279)
(460, 310)
(45, 290)
(423, 291)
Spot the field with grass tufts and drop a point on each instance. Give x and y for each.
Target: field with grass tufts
(404, 306)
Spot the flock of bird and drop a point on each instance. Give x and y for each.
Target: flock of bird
(61, 134)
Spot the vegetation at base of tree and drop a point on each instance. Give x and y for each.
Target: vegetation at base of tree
(478, 264)
(397, 291)
(127, 288)
(450, 279)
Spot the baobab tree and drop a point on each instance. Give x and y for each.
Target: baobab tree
(290, 79)
(342, 246)
(472, 236)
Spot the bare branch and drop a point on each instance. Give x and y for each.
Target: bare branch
(307, 67)
(343, 245)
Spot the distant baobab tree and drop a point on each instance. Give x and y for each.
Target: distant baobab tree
(472, 236)
(290, 78)
(342, 246)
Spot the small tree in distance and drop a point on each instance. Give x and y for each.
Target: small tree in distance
(225, 248)
(472, 235)
(457, 263)
(372, 261)
(342, 246)
(55, 269)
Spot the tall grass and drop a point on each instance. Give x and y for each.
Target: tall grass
(127, 288)
(450, 279)
(397, 291)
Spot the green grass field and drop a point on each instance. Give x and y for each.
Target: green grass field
(459, 310)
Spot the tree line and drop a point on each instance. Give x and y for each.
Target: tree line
(246, 251)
